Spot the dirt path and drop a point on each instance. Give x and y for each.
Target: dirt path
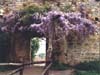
(65, 72)
(39, 70)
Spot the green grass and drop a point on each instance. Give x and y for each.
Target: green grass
(59, 66)
(87, 73)
(89, 66)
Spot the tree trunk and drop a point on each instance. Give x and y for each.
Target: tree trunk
(58, 44)
(59, 50)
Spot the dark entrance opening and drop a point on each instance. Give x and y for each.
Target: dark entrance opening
(4, 47)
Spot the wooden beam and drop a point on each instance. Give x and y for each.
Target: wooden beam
(47, 69)
(12, 64)
(19, 64)
(15, 71)
(21, 68)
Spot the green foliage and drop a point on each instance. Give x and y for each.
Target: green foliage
(29, 10)
(46, 7)
(66, 7)
(33, 8)
(41, 55)
(89, 66)
(26, 19)
(59, 66)
(87, 73)
(34, 46)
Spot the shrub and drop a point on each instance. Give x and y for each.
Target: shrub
(34, 46)
(66, 8)
(31, 11)
(59, 66)
(89, 66)
(86, 73)
(33, 8)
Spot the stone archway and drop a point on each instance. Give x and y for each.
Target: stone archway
(20, 47)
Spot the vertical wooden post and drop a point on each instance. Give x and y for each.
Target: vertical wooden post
(99, 49)
(21, 72)
(47, 72)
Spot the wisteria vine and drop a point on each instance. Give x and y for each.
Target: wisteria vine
(59, 22)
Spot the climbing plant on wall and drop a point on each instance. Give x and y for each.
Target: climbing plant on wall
(57, 26)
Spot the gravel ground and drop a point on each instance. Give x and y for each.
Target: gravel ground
(39, 70)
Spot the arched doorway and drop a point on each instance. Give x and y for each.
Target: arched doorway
(40, 53)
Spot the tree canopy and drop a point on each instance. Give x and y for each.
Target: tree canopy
(34, 46)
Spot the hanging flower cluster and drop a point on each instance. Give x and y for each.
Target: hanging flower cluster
(68, 23)
(58, 22)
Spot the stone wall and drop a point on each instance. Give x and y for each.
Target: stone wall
(88, 51)
(20, 49)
